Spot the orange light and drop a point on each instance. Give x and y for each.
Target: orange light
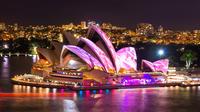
(35, 94)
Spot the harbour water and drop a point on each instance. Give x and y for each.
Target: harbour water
(17, 98)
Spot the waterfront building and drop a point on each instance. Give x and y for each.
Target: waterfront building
(157, 66)
(92, 59)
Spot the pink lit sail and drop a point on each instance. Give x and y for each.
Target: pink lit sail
(90, 60)
(109, 45)
(129, 50)
(105, 61)
(148, 64)
(127, 58)
(160, 65)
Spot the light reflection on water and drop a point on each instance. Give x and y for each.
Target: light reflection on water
(18, 98)
(121, 100)
(29, 89)
(5, 67)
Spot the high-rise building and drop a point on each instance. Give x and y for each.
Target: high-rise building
(15, 27)
(2, 26)
(106, 26)
(160, 31)
(83, 25)
(60, 38)
(91, 23)
(68, 26)
(145, 29)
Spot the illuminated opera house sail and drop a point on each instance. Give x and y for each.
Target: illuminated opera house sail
(157, 66)
(97, 52)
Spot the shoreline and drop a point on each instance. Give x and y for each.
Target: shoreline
(104, 87)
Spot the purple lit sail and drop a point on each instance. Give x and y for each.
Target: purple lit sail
(127, 58)
(129, 50)
(160, 65)
(108, 45)
(149, 64)
(105, 61)
(90, 60)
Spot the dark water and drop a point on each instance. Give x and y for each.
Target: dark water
(16, 98)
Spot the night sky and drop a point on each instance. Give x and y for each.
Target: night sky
(171, 14)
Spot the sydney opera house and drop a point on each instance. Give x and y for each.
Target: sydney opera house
(92, 59)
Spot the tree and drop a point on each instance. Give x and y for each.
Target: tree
(189, 57)
(33, 48)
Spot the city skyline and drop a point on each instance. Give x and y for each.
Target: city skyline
(169, 14)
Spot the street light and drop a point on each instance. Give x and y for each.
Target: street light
(161, 52)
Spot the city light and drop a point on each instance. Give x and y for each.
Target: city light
(5, 46)
(143, 31)
(161, 52)
(72, 62)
